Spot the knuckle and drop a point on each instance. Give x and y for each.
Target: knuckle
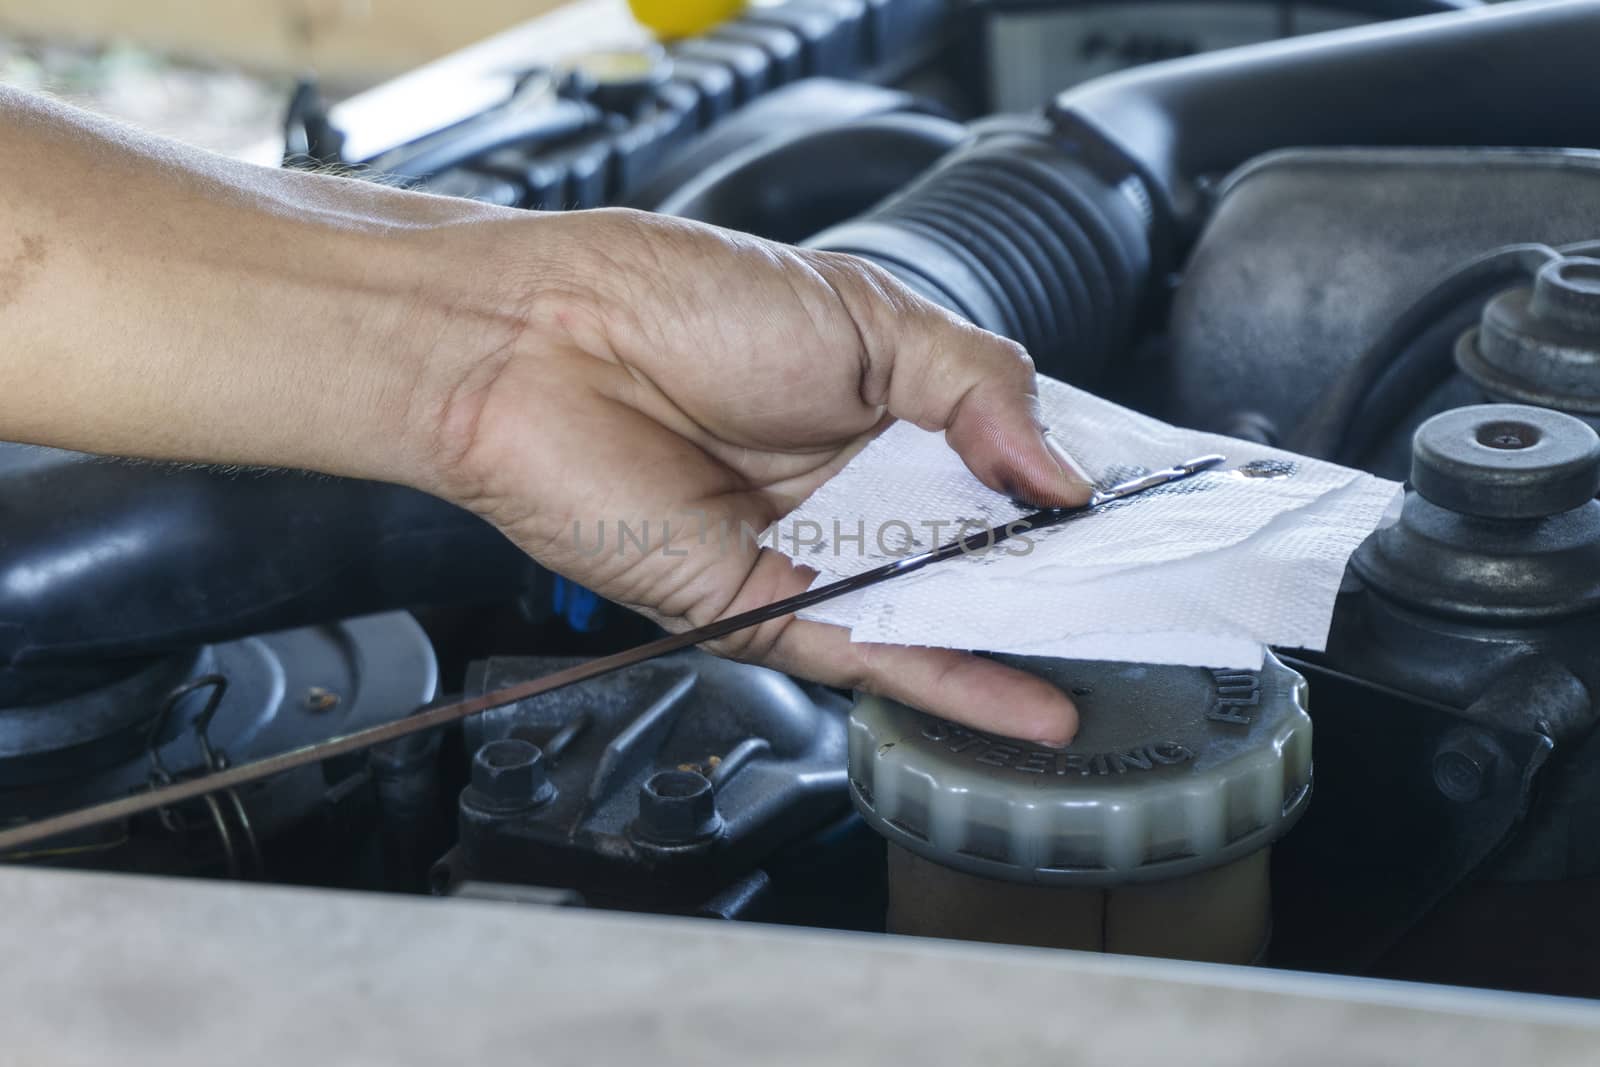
(1013, 356)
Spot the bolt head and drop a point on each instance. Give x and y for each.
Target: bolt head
(509, 775)
(1464, 766)
(677, 808)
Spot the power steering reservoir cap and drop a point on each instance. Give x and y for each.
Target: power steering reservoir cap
(1174, 770)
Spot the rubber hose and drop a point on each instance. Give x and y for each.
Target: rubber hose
(1015, 232)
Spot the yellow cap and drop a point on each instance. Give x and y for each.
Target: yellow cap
(683, 18)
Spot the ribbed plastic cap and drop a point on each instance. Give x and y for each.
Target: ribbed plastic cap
(1174, 770)
(1506, 461)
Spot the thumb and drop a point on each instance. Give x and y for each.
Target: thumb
(929, 367)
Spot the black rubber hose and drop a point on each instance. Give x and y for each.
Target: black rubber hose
(106, 563)
(1515, 74)
(1014, 231)
(788, 191)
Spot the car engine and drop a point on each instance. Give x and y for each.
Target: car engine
(1361, 230)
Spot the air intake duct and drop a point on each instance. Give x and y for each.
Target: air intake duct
(1019, 233)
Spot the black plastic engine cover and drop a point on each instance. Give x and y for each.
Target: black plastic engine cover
(1310, 254)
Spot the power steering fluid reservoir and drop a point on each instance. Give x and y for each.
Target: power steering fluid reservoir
(1149, 834)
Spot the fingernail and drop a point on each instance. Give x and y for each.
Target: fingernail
(1057, 741)
(1069, 466)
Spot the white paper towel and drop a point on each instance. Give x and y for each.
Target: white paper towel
(1203, 572)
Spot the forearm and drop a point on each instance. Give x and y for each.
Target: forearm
(550, 372)
(162, 302)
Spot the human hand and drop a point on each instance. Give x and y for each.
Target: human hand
(540, 369)
(661, 369)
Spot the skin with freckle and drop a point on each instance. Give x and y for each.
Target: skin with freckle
(15, 270)
(542, 370)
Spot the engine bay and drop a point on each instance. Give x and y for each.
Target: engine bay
(1303, 225)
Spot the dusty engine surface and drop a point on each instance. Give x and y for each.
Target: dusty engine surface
(1378, 244)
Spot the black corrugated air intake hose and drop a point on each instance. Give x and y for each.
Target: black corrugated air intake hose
(1049, 230)
(1017, 233)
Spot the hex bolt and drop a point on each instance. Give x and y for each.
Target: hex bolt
(677, 808)
(1464, 765)
(509, 775)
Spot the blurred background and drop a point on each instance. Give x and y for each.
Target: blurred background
(218, 72)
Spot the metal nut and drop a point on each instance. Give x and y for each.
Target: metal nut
(509, 775)
(1464, 765)
(677, 808)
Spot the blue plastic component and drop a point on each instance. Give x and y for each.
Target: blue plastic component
(582, 608)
